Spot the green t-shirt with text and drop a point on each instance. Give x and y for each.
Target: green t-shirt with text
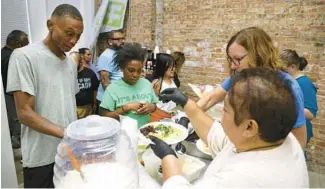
(120, 93)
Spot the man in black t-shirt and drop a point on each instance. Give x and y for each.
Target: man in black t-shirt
(88, 85)
(15, 39)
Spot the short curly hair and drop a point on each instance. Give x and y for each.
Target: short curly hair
(129, 52)
(15, 36)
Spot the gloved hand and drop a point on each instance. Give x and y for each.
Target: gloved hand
(174, 95)
(161, 148)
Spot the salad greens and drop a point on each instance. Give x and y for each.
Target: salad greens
(165, 130)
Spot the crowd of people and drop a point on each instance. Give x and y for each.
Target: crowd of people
(15, 39)
(125, 81)
(262, 134)
(266, 123)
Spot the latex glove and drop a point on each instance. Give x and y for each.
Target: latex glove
(174, 95)
(161, 148)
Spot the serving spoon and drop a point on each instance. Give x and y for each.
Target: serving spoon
(180, 148)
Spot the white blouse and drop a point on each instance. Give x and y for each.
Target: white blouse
(168, 105)
(281, 167)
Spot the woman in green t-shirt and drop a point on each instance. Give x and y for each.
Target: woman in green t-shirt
(132, 95)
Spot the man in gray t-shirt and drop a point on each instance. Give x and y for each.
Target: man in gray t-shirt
(44, 83)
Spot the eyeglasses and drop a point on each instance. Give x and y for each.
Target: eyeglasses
(118, 39)
(236, 61)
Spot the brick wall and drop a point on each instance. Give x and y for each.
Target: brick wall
(202, 29)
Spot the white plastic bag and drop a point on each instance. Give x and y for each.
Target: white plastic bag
(202, 90)
(104, 150)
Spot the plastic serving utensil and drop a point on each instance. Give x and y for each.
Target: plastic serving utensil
(180, 148)
(74, 162)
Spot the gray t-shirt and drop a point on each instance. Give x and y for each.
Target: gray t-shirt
(34, 69)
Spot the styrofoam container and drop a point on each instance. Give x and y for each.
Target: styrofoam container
(151, 162)
(192, 150)
(191, 166)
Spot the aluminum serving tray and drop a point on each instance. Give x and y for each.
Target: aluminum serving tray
(192, 150)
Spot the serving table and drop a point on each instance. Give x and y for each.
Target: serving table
(148, 175)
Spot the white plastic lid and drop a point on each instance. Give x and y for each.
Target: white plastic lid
(93, 127)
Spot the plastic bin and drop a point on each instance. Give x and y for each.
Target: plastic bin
(96, 153)
(191, 166)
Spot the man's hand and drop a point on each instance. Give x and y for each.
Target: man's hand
(61, 132)
(161, 148)
(174, 95)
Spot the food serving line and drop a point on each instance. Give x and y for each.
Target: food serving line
(193, 154)
(97, 152)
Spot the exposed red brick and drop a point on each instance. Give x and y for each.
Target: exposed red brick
(297, 24)
(218, 50)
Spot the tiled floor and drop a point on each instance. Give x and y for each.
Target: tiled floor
(315, 180)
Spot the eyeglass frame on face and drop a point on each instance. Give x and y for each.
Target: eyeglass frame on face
(119, 39)
(238, 60)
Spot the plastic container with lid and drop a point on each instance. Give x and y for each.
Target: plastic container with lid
(90, 155)
(191, 166)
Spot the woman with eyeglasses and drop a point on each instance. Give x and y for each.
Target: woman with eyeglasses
(254, 145)
(249, 48)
